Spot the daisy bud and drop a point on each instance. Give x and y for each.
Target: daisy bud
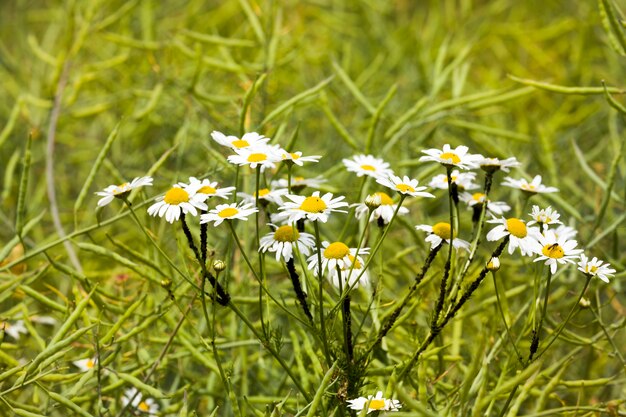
(166, 283)
(584, 303)
(219, 265)
(373, 201)
(493, 264)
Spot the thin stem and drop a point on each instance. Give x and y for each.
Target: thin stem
(203, 239)
(321, 294)
(534, 343)
(258, 244)
(346, 319)
(297, 287)
(506, 326)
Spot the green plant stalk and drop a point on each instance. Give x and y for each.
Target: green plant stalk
(260, 253)
(297, 287)
(346, 319)
(534, 343)
(320, 278)
(506, 326)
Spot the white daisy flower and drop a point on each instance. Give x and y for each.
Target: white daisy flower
(544, 217)
(374, 403)
(495, 207)
(231, 211)
(297, 158)
(248, 140)
(85, 364)
(447, 156)
(258, 156)
(463, 180)
(565, 232)
(520, 236)
(595, 268)
(533, 187)
(176, 200)
(136, 400)
(282, 241)
(495, 164)
(122, 190)
(14, 329)
(404, 185)
(357, 276)
(208, 188)
(298, 183)
(555, 250)
(311, 208)
(336, 254)
(384, 209)
(266, 196)
(367, 165)
(440, 232)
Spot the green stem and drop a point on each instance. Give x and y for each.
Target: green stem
(321, 294)
(506, 326)
(534, 343)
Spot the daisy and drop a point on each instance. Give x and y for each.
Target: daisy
(122, 190)
(207, 188)
(298, 183)
(357, 277)
(248, 140)
(266, 196)
(406, 186)
(228, 212)
(440, 232)
(495, 164)
(477, 199)
(544, 217)
(555, 250)
(565, 232)
(263, 156)
(377, 403)
(382, 205)
(595, 268)
(85, 364)
(297, 158)
(176, 200)
(135, 399)
(520, 236)
(282, 241)
(336, 254)
(447, 156)
(311, 208)
(368, 165)
(533, 187)
(463, 181)
(14, 330)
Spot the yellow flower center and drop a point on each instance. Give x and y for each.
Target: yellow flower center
(528, 187)
(90, 364)
(443, 230)
(120, 189)
(376, 404)
(553, 251)
(478, 197)
(257, 157)
(143, 407)
(228, 212)
(207, 189)
(286, 234)
(298, 179)
(240, 143)
(175, 196)
(516, 227)
(368, 167)
(336, 250)
(404, 188)
(313, 205)
(294, 156)
(263, 192)
(384, 199)
(355, 262)
(450, 156)
(594, 269)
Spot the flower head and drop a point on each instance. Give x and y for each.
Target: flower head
(283, 239)
(206, 188)
(297, 158)
(463, 180)
(176, 200)
(544, 217)
(367, 165)
(477, 199)
(354, 274)
(262, 156)
(85, 364)
(555, 250)
(457, 157)
(336, 254)
(405, 185)
(441, 232)
(533, 187)
(122, 190)
(136, 400)
(312, 208)
(520, 236)
(495, 164)
(266, 196)
(14, 329)
(374, 403)
(231, 211)
(298, 183)
(383, 210)
(248, 140)
(595, 268)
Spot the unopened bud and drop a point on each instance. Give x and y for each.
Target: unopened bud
(373, 201)
(584, 303)
(166, 283)
(219, 265)
(493, 264)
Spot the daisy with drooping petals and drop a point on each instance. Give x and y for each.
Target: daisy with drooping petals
(136, 400)
(336, 254)
(297, 158)
(248, 140)
(228, 212)
(495, 164)
(544, 217)
(374, 403)
(463, 180)
(595, 268)
(406, 186)
(178, 200)
(555, 250)
(311, 208)
(384, 209)
(442, 232)
(85, 364)
(266, 196)
(533, 187)
(367, 165)
(282, 241)
(495, 207)
(520, 236)
(263, 156)
(447, 156)
(122, 190)
(207, 188)
(14, 329)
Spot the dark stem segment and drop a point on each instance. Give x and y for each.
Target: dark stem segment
(534, 343)
(347, 325)
(297, 287)
(442, 290)
(203, 239)
(223, 298)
